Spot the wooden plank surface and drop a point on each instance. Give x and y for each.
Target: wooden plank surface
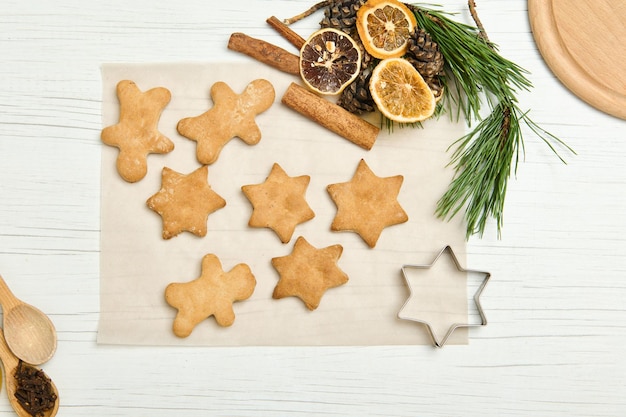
(555, 304)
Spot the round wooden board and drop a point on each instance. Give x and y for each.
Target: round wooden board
(584, 44)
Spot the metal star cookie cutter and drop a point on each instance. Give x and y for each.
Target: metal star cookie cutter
(454, 326)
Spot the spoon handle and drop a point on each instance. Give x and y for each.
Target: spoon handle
(9, 359)
(7, 299)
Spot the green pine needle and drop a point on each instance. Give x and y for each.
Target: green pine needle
(484, 158)
(475, 68)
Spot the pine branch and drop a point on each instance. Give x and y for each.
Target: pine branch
(473, 65)
(483, 161)
(486, 157)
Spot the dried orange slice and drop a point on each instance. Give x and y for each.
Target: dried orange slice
(329, 61)
(400, 92)
(384, 27)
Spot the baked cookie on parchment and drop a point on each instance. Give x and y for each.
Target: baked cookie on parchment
(136, 134)
(367, 204)
(185, 201)
(232, 115)
(212, 294)
(308, 272)
(279, 203)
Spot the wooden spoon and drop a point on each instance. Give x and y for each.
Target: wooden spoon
(29, 333)
(11, 362)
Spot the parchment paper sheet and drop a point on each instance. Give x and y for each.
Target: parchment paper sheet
(137, 264)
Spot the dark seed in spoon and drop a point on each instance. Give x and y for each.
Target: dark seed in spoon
(34, 390)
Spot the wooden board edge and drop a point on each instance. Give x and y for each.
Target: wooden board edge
(564, 66)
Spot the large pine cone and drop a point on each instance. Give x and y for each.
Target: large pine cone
(425, 56)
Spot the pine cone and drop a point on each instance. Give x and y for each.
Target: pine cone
(436, 86)
(356, 98)
(424, 54)
(341, 15)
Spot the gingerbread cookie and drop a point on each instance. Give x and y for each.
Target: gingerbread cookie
(279, 203)
(308, 272)
(231, 115)
(184, 202)
(212, 294)
(367, 204)
(136, 134)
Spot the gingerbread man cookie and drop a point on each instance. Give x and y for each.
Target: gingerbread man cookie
(212, 294)
(231, 116)
(136, 134)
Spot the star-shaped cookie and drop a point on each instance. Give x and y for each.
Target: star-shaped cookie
(184, 202)
(212, 294)
(308, 272)
(231, 115)
(279, 203)
(367, 204)
(136, 134)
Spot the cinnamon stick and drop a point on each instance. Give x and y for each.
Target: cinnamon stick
(331, 116)
(265, 52)
(286, 32)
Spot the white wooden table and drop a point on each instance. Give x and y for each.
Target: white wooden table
(554, 345)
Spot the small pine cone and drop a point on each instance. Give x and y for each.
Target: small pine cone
(356, 98)
(424, 54)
